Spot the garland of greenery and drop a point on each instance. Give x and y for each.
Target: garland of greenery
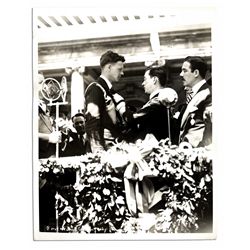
(96, 203)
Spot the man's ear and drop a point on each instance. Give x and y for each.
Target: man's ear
(109, 66)
(196, 72)
(155, 79)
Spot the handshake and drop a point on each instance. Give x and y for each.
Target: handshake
(55, 137)
(64, 131)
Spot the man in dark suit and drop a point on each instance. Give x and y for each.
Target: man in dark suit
(152, 118)
(47, 135)
(104, 108)
(76, 144)
(193, 128)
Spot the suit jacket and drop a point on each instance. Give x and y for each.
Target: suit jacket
(101, 116)
(192, 123)
(46, 149)
(152, 118)
(75, 146)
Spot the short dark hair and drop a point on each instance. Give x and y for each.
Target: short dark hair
(110, 57)
(197, 62)
(77, 115)
(160, 72)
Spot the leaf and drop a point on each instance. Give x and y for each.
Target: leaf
(92, 215)
(97, 196)
(111, 204)
(112, 227)
(188, 178)
(187, 208)
(115, 179)
(120, 200)
(186, 184)
(202, 183)
(122, 210)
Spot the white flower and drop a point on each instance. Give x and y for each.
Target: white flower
(86, 228)
(119, 200)
(56, 170)
(98, 208)
(97, 196)
(106, 191)
(91, 179)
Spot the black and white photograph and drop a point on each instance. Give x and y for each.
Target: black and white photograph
(122, 123)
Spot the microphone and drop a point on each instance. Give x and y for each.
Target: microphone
(168, 97)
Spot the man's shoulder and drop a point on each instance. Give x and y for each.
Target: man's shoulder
(99, 81)
(206, 86)
(153, 106)
(95, 87)
(73, 135)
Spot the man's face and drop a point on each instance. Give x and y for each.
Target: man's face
(116, 71)
(79, 124)
(187, 76)
(148, 83)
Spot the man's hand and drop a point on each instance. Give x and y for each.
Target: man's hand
(207, 116)
(55, 137)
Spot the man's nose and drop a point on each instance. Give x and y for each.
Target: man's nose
(181, 74)
(122, 73)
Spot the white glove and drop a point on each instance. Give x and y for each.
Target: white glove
(55, 137)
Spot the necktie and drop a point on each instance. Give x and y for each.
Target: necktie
(189, 95)
(81, 141)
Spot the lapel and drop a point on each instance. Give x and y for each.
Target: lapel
(153, 100)
(200, 96)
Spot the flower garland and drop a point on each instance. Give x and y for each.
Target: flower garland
(188, 174)
(96, 203)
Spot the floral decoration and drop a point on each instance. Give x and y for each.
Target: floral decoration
(96, 202)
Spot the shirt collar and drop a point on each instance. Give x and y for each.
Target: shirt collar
(83, 136)
(107, 81)
(157, 91)
(197, 86)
